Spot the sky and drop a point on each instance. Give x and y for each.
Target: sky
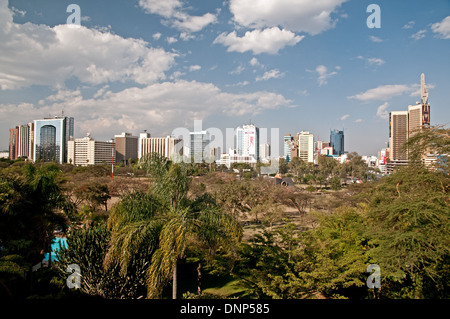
(158, 65)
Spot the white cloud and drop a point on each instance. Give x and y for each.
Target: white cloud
(382, 111)
(419, 35)
(194, 68)
(239, 69)
(323, 74)
(409, 25)
(375, 39)
(156, 36)
(344, 117)
(359, 121)
(383, 92)
(310, 16)
(254, 62)
(157, 106)
(376, 61)
(173, 11)
(18, 12)
(171, 40)
(442, 28)
(43, 55)
(272, 74)
(259, 41)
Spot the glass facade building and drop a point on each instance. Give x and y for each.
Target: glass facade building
(337, 142)
(50, 138)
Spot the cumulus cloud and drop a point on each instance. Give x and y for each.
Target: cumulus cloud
(269, 40)
(442, 29)
(272, 74)
(419, 35)
(310, 16)
(43, 55)
(174, 12)
(375, 61)
(157, 106)
(324, 75)
(382, 112)
(383, 92)
(344, 117)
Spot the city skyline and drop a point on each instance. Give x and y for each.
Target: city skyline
(135, 66)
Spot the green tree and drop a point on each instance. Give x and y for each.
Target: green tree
(408, 221)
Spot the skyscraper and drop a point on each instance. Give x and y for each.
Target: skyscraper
(404, 124)
(287, 147)
(50, 138)
(305, 142)
(13, 143)
(199, 142)
(247, 141)
(337, 142)
(398, 135)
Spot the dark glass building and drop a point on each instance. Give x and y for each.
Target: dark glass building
(337, 142)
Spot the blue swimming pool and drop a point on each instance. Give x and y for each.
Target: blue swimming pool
(55, 247)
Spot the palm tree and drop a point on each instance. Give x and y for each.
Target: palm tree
(163, 222)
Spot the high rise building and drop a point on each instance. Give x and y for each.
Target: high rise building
(305, 142)
(247, 141)
(337, 142)
(168, 147)
(13, 143)
(198, 149)
(50, 138)
(287, 145)
(126, 146)
(404, 124)
(87, 151)
(398, 135)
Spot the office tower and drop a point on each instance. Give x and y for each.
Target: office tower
(288, 139)
(247, 141)
(126, 146)
(50, 138)
(337, 142)
(13, 143)
(398, 135)
(305, 146)
(198, 149)
(168, 147)
(87, 151)
(24, 135)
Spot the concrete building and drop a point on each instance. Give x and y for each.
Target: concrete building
(305, 146)
(398, 135)
(126, 146)
(230, 159)
(247, 141)
(87, 151)
(13, 143)
(168, 147)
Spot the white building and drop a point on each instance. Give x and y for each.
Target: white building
(86, 151)
(168, 146)
(305, 146)
(230, 159)
(247, 141)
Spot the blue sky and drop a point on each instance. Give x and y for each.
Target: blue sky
(296, 65)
